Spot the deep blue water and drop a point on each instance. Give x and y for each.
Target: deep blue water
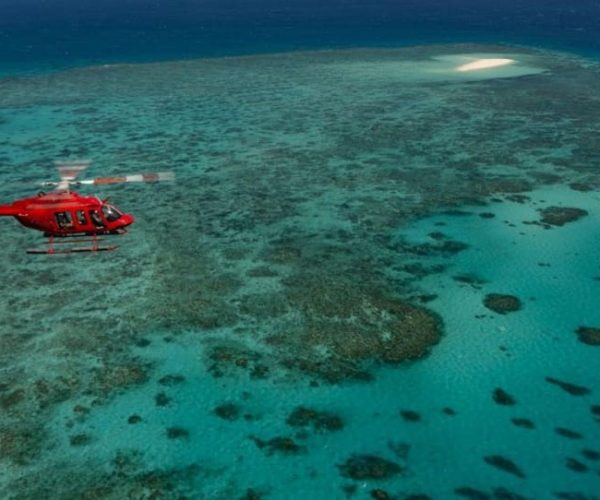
(47, 34)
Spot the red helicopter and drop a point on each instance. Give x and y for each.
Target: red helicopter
(71, 217)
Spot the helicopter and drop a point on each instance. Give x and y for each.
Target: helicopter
(67, 217)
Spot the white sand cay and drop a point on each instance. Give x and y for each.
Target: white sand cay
(480, 64)
(487, 65)
(442, 67)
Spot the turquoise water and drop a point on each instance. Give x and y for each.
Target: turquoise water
(309, 294)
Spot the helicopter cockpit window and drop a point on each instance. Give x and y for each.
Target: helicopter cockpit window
(111, 213)
(63, 219)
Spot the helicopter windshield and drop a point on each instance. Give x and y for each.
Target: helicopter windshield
(110, 213)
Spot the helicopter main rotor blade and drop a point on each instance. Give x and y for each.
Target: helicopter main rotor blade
(148, 177)
(70, 180)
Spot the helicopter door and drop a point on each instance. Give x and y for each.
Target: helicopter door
(64, 220)
(81, 218)
(96, 219)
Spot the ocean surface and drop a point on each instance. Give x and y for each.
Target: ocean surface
(376, 275)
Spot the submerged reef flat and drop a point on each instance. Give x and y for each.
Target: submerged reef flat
(266, 312)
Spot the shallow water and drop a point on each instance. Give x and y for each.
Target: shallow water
(333, 213)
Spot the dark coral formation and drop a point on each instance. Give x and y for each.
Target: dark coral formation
(355, 323)
(524, 423)
(470, 279)
(503, 398)
(471, 493)
(568, 433)
(501, 303)
(504, 464)
(80, 439)
(573, 389)
(282, 445)
(588, 335)
(369, 467)
(505, 494)
(171, 380)
(410, 415)
(161, 399)
(226, 358)
(177, 433)
(592, 455)
(227, 411)
(445, 248)
(320, 421)
(559, 216)
(575, 465)
(250, 494)
(496, 494)
(379, 494)
(400, 449)
(572, 495)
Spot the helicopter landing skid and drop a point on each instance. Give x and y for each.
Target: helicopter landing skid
(72, 248)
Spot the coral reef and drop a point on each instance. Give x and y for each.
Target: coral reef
(177, 433)
(501, 303)
(504, 464)
(559, 216)
(575, 465)
(369, 467)
(80, 440)
(524, 423)
(227, 411)
(503, 398)
(588, 335)
(410, 415)
(320, 421)
(278, 260)
(573, 389)
(171, 380)
(353, 322)
(471, 493)
(281, 445)
(568, 433)
(592, 455)
(379, 494)
(161, 399)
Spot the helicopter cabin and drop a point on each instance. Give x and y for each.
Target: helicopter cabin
(88, 220)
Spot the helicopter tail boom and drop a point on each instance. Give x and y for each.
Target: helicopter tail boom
(8, 211)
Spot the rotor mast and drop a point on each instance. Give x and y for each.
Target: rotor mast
(69, 171)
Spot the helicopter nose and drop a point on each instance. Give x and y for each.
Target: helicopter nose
(128, 219)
